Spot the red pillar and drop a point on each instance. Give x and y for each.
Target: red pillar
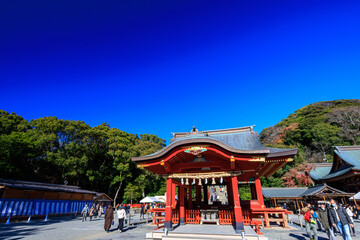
(168, 208)
(190, 198)
(182, 205)
(239, 226)
(259, 194)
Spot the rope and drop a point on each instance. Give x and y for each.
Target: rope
(205, 175)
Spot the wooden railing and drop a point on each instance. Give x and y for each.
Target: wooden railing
(226, 217)
(246, 216)
(175, 216)
(192, 216)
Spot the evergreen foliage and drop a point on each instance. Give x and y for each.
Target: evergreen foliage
(96, 158)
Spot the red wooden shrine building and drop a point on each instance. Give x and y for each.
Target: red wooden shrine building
(197, 161)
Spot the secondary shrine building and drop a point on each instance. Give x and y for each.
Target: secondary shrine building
(204, 170)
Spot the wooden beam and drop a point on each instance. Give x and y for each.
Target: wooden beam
(276, 168)
(267, 169)
(297, 203)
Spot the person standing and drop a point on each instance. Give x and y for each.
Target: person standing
(310, 221)
(339, 217)
(85, 212)
(142, 211)
(121, 214)
(100, 212)
(109, 218)
(324, 219)
(351, 215)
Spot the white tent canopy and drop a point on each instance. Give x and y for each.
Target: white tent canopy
(357, 197)
(161, 198)
(150, 200)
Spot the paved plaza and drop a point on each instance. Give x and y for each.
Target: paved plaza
(74, 228)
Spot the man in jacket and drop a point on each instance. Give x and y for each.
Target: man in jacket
(339, 217)
(324, 219)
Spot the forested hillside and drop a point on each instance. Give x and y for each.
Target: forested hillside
(99, 158)
(314, 129)
(58, 151)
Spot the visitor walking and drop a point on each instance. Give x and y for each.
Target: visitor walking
(121, 214)
(85, 212)
(310, 221)
(339, 217)
(100, 212)
(142, 211)
(351, 215)
(323, 214)
(109, 218)
(91, 212)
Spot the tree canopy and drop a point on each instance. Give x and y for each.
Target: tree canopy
(96, 158)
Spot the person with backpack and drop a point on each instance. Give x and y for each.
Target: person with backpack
(310, 221)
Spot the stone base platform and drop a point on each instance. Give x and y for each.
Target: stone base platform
(204, 232)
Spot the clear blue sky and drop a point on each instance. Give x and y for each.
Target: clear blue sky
(164, 66)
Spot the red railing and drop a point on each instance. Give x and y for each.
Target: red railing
(226, 217)
(246, 216)
(192, 216)
(175, 216)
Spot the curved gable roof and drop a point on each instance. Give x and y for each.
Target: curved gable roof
(237, 140)
(350, 154)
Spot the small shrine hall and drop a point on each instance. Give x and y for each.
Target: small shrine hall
(200, 166)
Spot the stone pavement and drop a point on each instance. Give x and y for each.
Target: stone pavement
(74, 228)
(297, 233)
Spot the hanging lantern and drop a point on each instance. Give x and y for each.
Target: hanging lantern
(187, 182)
(200, 182)
(193, 182)
(182, 181)
(221, 180)
(205, 181)
(213, 181)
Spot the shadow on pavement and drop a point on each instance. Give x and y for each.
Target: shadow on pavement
(20, 230)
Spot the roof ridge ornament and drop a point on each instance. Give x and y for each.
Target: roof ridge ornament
(194, 131)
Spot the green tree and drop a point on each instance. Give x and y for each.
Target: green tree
(131, 193)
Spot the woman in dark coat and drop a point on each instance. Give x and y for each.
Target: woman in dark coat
(109, 217)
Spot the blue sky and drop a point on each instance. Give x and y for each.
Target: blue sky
(164, 66)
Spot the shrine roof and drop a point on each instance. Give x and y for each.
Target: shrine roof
(351, 157)
(43, 186)
(238, 140)
(320, 172)
(350, 154)
(311, 191)
(299, 192)
(283, 192)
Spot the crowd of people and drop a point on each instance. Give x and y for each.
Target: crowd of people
(333, 217)
(121, 211)
(93, 211)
